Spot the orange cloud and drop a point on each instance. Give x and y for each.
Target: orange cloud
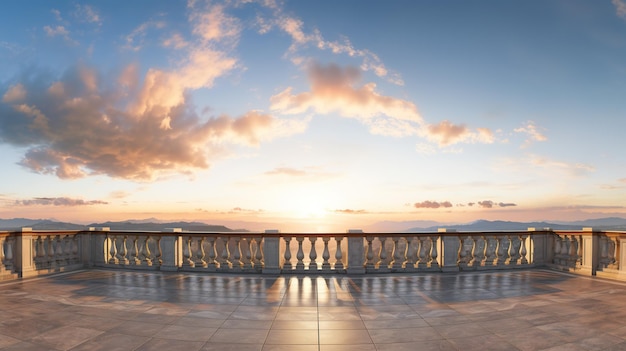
(335, 89)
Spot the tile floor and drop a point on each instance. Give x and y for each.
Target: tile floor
(123, 310)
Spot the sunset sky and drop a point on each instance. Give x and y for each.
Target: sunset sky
(313, 115)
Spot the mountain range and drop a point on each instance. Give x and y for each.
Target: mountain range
(153, 224)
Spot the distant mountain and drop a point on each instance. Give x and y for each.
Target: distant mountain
(14, 223)
(613, 223)
(399, 226)
(151, 226)
(46, 224)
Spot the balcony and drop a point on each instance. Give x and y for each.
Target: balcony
(29, 253)
(529, 290)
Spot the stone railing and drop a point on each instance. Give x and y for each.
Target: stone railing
(28, 253)
(601, 253)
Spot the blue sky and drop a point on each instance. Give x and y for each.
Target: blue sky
(313, 116)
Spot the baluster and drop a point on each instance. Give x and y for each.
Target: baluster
(258, 255)
(249, 247)
(8, 255)
(433, 254)
(200, 254)
(491, 250)
(187, 261)
(565, 250)
(237, 255)
(573, 253)
(67, 250)
(412, 252)
(326, 254)
(75, 254)
(287, 265)
(383, 265)
(212, 264)
(523, 251)
(557, 250)
(398, 253)
(52, 248)
(503, 250)
(226, 255)
(612, 246)
(300, 254)
(134, 251)
(159, 250)
(370, 264)
(58, 250)
(338, 254)
(313, 254)
(465, 254)
(515, 248)
(40, 253)
(113, 249)
(479, 251)
(123, 250)
(145, 252)
(2, 256)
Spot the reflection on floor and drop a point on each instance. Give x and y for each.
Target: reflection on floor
(122, 310)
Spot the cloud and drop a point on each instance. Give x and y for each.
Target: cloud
(287, 171)
(350, 211)
(213, 24)
(15, 93)
(336, 89)
(135, 40)
(84, 123)
(620, 8)
(575, 169)
(491, 204)
(532, 131)
(294, 27)
(56, 31)
(88, 14)
(58, 201)
(432, 204)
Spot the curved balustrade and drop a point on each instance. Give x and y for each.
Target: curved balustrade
(587, 252)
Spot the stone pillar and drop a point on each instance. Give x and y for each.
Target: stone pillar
(24, 253)
(450, 252)
(271, 252)
(171, 252)
(590, 251)
(356, 255)
(99, 246)
(542, 248)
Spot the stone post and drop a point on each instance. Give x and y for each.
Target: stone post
(356, 255)
(171, 250)
(590, 251)
(450, 251)
(271, 252)
(24, 253)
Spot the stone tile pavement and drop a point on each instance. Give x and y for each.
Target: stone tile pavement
(141, 310)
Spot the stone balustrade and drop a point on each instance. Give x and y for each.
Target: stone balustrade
(29, 253)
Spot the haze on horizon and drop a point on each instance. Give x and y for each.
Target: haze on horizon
(313, 116)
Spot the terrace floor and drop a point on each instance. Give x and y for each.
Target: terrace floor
(139, 310)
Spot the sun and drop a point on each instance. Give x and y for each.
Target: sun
(310, 204)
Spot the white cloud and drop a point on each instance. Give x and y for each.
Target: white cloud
(533, 133)
(620, 8)
(294, 27)
(87, 13)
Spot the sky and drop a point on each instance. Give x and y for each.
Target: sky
(313, 116)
